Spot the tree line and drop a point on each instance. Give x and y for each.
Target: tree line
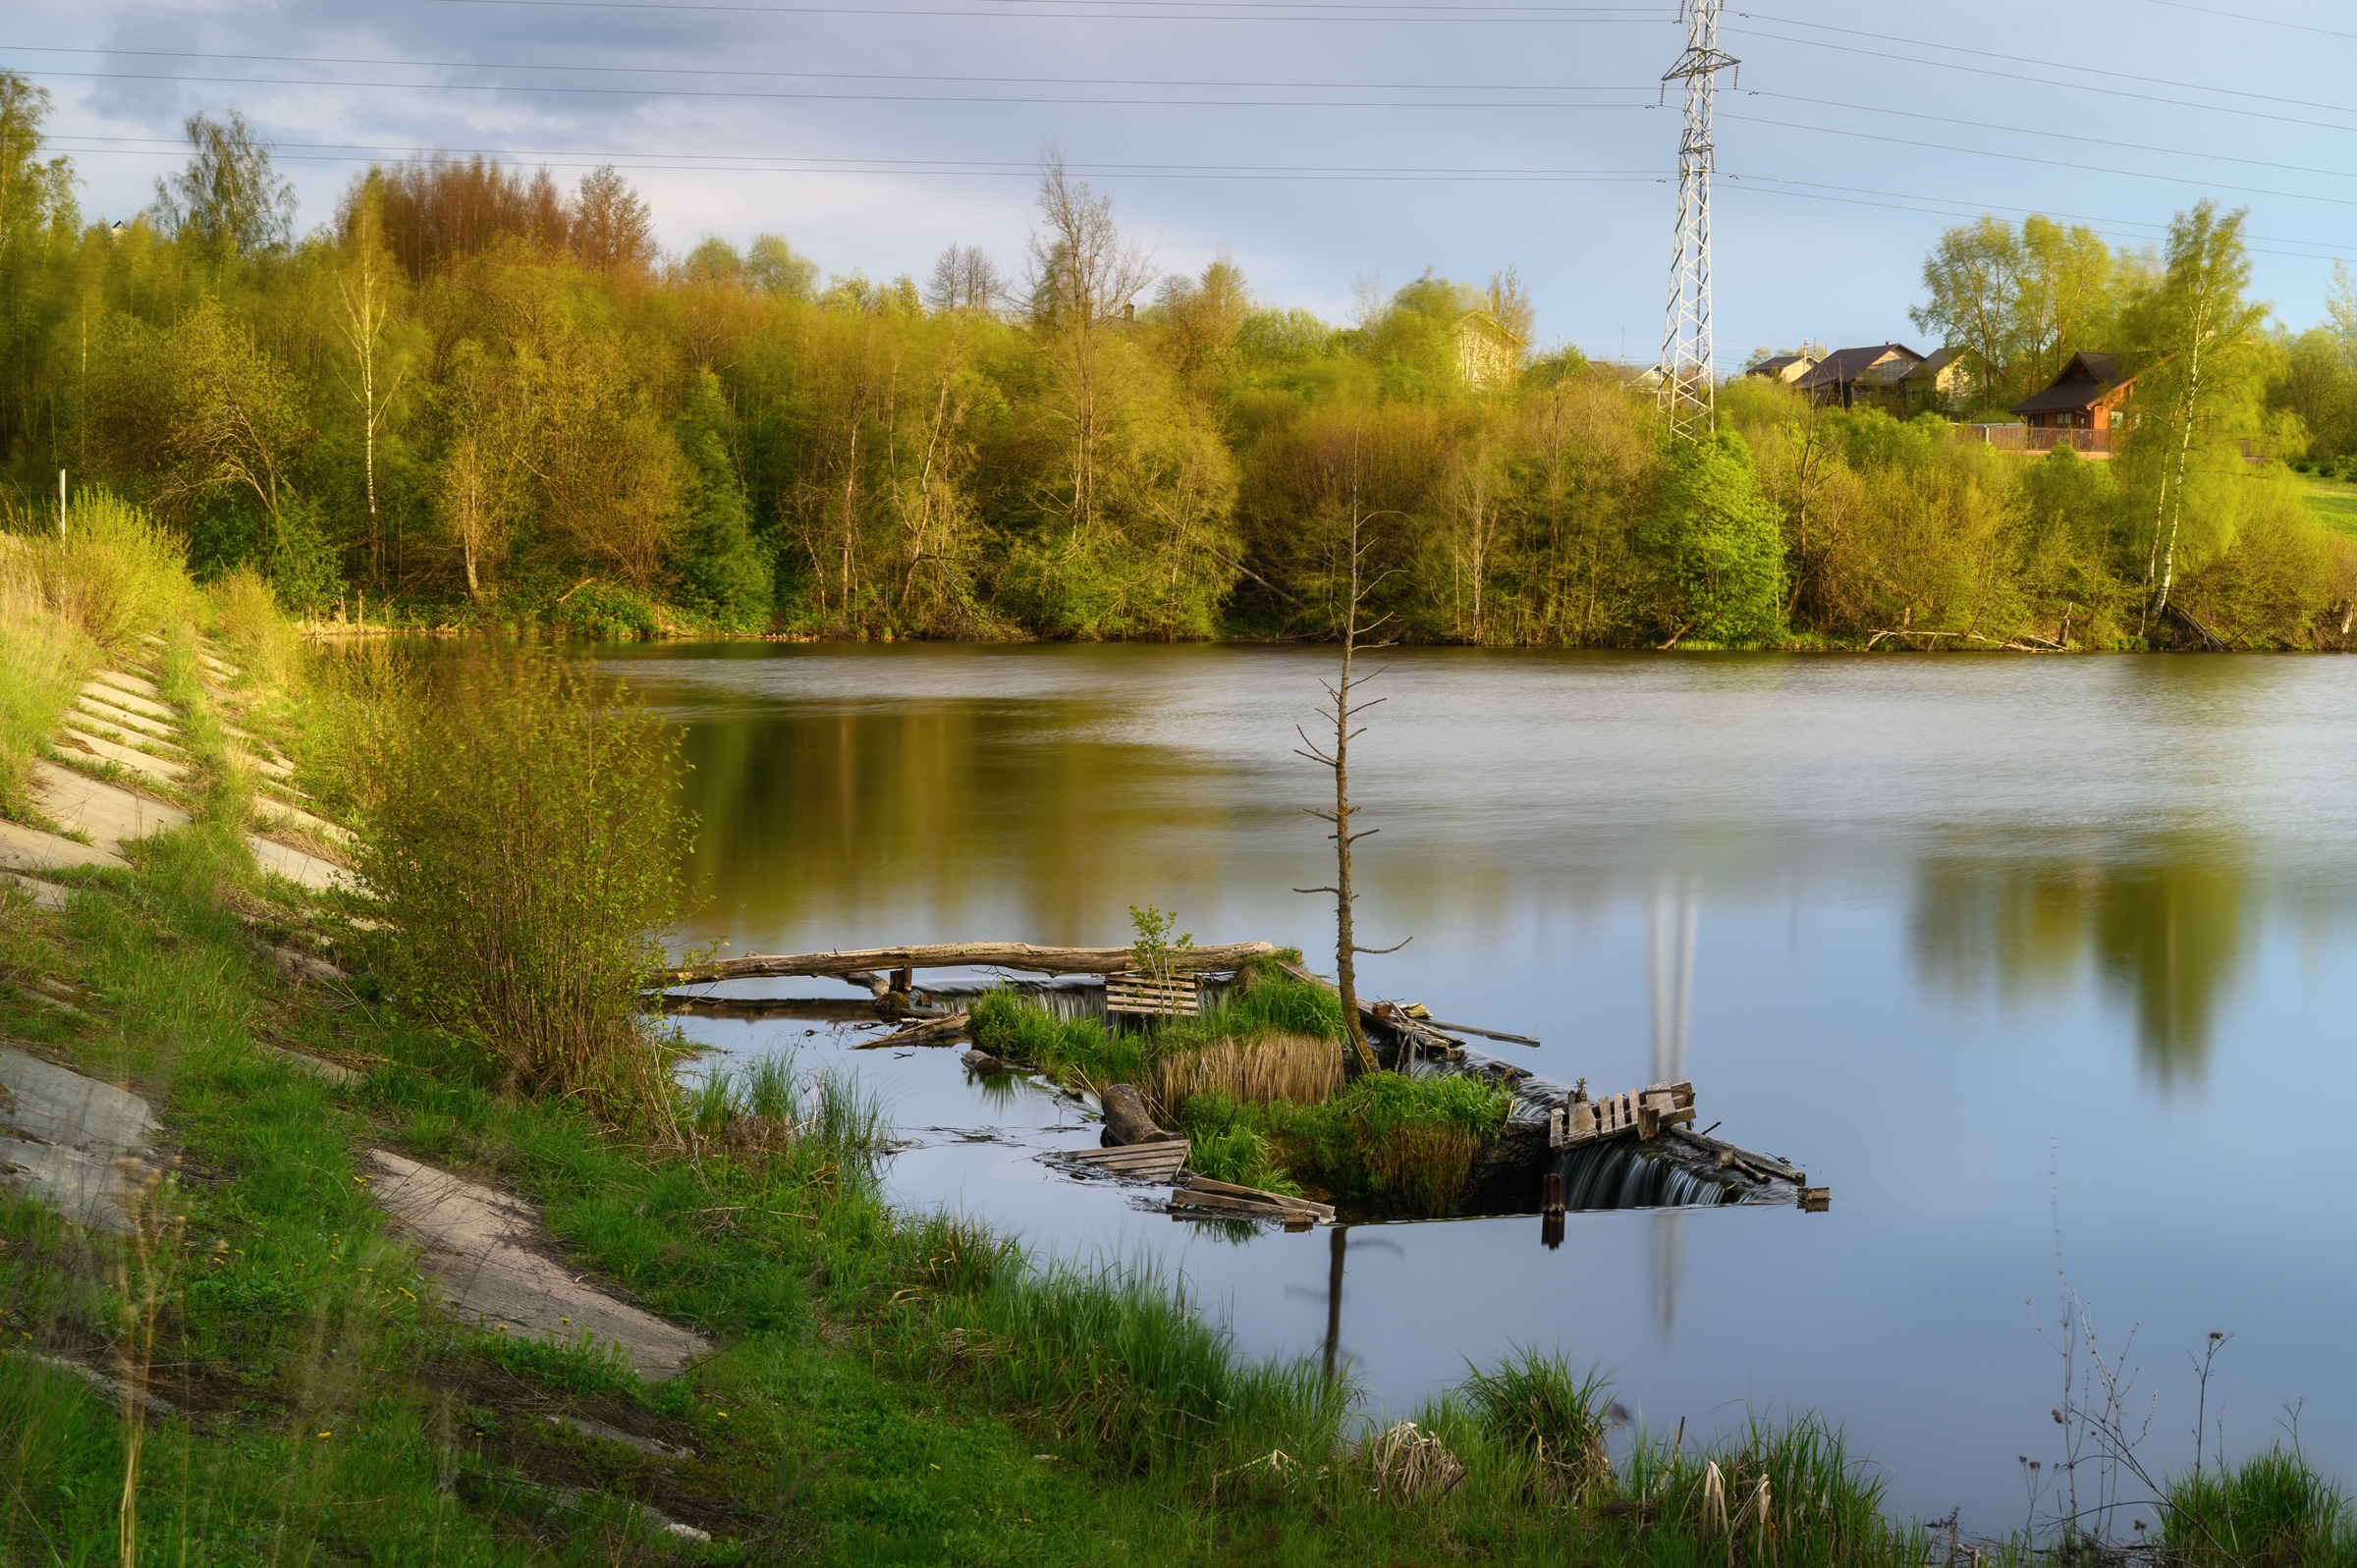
(478, 396)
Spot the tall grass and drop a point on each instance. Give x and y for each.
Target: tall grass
(115, 573)
(522, 836)
(2274, 1510)
(1392, 1144)
(43, 658)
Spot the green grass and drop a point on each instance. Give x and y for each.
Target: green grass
(2270, 1511)
(1388, 1145)
(2334, 501)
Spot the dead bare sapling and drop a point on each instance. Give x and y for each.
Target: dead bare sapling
(1342, 710)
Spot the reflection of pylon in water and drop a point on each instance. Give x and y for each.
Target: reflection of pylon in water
(1669, 956)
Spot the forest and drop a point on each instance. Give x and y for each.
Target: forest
(476, 397)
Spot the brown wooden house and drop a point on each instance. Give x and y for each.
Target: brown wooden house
(2086, 395)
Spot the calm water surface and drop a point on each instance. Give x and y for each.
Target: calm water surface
(2020, 956)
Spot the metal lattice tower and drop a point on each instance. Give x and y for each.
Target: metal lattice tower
(1685, 389)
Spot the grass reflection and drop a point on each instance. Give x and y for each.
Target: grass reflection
(2165, 924)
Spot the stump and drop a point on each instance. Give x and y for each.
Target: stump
(1126, 1120)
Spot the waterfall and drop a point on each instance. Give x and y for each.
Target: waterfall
(1616, 1175)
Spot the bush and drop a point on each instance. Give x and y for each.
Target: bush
(522, 836)
(115, 574)
(1717, 544)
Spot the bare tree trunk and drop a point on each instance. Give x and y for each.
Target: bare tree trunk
(1346, 943)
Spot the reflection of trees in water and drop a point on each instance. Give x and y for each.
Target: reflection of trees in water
(2164, 922)
(836, 811)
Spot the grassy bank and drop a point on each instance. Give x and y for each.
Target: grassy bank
(886, 1387)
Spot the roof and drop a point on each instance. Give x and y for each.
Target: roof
(1844, 365)
(1777, 365)
(2064, 397)
(2083, 384)
(1939, 361)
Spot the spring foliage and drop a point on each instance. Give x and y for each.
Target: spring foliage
(493, 400)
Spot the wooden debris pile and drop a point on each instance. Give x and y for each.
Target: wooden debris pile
(1644, 1112)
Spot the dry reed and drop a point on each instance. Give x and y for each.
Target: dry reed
(1260, 1070)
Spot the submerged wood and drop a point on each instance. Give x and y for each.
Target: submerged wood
(977, 955)
(1222, 1204)
(932, 1032)
(1132, 1156)
(1228, 1189)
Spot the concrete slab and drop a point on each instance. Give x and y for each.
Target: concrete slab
(109, 814)
(491, 1254)
(44, 895)
(280, 813)
(120, 698)
(76, 1143)
(304, 871)
(139, 684)
(269, 765)
(30, 850)
(138, 762)
(124, 718)
(88, 723)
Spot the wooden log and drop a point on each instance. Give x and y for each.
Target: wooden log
(1816, 1200)
(1228, 1189)
(1126, 1120)
(977, 954)
(1485, 1033)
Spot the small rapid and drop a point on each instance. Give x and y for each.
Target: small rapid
(1615, 1175)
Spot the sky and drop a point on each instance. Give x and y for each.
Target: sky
(1317, 143)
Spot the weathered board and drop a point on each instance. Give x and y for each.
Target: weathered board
(1644, 1112)
(1152, 1161)
(1143, 995)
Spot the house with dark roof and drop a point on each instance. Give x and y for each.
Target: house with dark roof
(1785, 368)
(1943, 383)
(1850, 377)
(2086, 395)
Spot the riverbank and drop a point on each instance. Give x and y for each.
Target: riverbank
(882, 1387)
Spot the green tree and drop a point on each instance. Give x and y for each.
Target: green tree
(2200, 389)
(720, 568)
(229, 200)
(1715, 544)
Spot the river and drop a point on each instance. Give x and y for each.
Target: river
(2037, 963)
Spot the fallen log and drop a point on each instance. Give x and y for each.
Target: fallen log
(1126, 1120)
(974, 955)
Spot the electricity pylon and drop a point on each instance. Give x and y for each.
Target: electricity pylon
(1685, 389)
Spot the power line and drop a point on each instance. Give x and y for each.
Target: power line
(1775, 184)
(2094, 70)
(2056, 163)
(957, 166)
(820, 97)
(818, 75)
(2055, 136)
(2049, 81)
(2238, 15)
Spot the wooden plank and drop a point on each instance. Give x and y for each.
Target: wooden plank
(1213, 1202)
(1143, 997)
(1229, 1189)
(1133, 1152)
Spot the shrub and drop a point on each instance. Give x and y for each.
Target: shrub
(522, 836)
(115, 574)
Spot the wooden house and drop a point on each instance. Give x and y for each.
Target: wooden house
(1943, 383)
(1871, 377)
(1785, 368)
(2086, 395)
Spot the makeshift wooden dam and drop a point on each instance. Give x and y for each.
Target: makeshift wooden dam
(1561, 1148)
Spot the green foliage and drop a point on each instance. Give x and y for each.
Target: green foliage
(1717, 544)
(723, 572)
(1393, 1143)
(2274, 1510)
(1080, 1050)
(522, 837)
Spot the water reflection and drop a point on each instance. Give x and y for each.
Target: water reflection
(2165, 923)
(1669, 956)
